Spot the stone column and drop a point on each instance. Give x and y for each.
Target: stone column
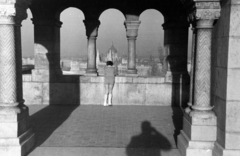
(46, 49)
(176, 47)
(199, 125)
(132, 33)
(202, 79)
(18, 46)
(92, 33)
(192, 71)
(16, 136)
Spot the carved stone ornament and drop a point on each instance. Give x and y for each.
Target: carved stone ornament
(13, 11)
(207, 5)
(7, 2)
(92, 28)
(7, 10)
(132, 28)
(207, 14)
(204, 10)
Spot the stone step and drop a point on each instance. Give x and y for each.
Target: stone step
(102, 151)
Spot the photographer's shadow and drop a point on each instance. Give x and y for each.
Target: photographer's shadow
(149, 143)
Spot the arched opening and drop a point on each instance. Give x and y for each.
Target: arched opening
(73, 39)
(112, 31)
(112, 36)
(150, 51)
(27, 37)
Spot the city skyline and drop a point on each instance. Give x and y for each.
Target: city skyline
(111, 31)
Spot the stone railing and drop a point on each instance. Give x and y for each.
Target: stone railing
(86, 90)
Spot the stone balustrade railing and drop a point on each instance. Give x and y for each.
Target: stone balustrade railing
(84, 90)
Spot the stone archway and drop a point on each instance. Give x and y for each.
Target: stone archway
(73, 38)
(204, 15)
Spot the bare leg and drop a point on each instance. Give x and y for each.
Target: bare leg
(106, 87)
(110, 88)
(106, 94)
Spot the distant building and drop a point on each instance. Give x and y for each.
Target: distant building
(75, 67)
(122, 69)
(144, 70)
(28, 61)
(112, 55)
(124, 60)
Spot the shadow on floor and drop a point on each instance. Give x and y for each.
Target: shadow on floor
(149, 143)
(180, 97)
(177, 119)
(44, 126)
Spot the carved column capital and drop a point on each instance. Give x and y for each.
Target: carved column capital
(203, 13)
(132, 28)
(7, 12)
(91, 27)
(12, 11)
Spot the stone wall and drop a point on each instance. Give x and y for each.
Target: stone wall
(226, 79)
(90, 90)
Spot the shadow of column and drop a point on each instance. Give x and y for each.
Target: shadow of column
(61, 89)
(180, 96)
(61, 93)
(48, 119)
(176, 45)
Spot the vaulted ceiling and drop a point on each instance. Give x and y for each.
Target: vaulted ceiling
(94, 8)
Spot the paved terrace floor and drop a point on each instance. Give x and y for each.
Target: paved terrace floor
(90, 130)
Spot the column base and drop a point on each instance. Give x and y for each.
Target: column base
(131, 75)
(218, 150)
(131, 72)
(16, 136)
(91, 72)
(18, 146)
(198, 135)
(188, 147)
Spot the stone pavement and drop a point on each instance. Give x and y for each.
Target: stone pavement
(89, 129)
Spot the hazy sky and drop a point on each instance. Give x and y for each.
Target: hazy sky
(111, 30)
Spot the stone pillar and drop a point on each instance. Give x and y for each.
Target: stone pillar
(226, 79)
(47, 49)
(202, 79)
(176, 48)
(92, 33)
(132, 33)
(199, 126)
(192, 71)
(16, 136)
